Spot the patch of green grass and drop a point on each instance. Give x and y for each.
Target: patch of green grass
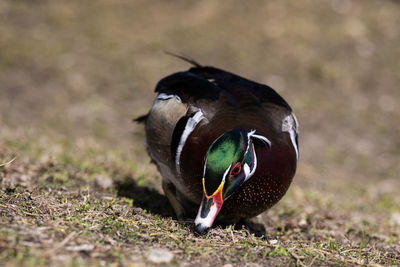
(278, 251)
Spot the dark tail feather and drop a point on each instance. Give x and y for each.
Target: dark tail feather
(184, 58)
(141, 119)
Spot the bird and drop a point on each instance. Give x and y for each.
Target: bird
(225, 146)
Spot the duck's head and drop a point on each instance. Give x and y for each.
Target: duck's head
(230, 161)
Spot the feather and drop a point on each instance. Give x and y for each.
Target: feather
(141, 119)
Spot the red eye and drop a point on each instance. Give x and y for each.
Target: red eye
(235, 170)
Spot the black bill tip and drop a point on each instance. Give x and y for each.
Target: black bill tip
(201, 229)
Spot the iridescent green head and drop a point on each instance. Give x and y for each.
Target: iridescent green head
(229, 162)
(225, 162)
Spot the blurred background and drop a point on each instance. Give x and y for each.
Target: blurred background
(74, 73)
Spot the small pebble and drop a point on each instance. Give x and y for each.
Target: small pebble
(83, 247)
(159, 255)
(273, 242)
(103, 182)
(395, 218)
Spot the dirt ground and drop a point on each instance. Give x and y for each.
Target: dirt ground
(81, 189)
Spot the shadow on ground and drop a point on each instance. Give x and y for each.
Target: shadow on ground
(145, 197)
(156, 203)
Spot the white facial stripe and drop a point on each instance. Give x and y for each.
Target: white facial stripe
(164, 96)
(246, 168)
(190, 126)
(290, 125)
(209, 219)
(204, 168)
(255, 163)
(226, 173)
(260, 137)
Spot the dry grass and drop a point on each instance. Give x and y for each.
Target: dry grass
(81, 190)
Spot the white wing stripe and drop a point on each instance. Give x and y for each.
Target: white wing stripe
(164, 96)
(290, 125)
(190, 126)
(293, 138)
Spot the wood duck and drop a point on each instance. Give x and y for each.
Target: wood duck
(224, 145)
